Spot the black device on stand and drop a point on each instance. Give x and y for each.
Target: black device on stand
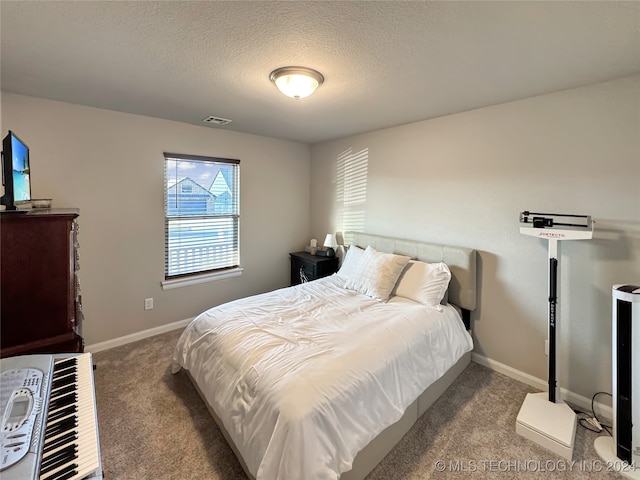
(16, 173)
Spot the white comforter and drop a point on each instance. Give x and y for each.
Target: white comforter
(304, 377)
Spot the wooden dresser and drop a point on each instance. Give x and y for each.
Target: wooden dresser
(40, 308)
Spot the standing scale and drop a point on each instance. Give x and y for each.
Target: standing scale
(544, 418)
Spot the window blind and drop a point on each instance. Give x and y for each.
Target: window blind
(351, 190)
(202, 214)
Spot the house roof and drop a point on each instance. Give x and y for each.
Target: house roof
(220, 183)
(385, 63)
(197, 190)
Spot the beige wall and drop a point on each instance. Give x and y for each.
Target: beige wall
(463, 179)
(110, 166)
(460, 179)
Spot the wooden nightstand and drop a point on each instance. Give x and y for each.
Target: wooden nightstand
(314, 267)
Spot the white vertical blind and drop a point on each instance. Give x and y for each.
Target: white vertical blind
(351, 189)
(202, 214)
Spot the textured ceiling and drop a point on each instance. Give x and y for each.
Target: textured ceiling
(385, 63)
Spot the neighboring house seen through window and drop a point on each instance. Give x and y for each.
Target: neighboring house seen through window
(202, 214)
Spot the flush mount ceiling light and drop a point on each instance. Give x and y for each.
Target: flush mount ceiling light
(296, 82)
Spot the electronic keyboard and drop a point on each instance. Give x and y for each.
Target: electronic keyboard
(49, 427)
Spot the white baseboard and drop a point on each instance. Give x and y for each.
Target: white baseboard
(134, 337)
(568, 396)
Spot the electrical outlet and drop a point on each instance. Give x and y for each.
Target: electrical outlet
(546, 347)
(148, 303)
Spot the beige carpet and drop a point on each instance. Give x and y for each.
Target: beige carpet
(153, 426)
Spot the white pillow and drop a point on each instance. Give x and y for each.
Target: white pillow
(423, 282)
(376, 273)
(351, 260)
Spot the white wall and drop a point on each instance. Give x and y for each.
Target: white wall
(110, 165)
(464, 178)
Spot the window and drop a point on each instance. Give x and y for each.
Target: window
(202, 215)
(351, 190)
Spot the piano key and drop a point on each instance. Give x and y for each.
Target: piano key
(70, 474)
(63, 401)
(60, 458)
(61, 381)
(71, 422)
(61, 375)
(66, 472)
(60, 443)
(65, 439)
(61, 391)
(65, 363)
(63, 412)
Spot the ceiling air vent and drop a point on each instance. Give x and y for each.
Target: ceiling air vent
(216, 120)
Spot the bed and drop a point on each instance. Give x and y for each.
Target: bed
(321, 380)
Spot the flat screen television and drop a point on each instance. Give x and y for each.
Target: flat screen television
(16, 176)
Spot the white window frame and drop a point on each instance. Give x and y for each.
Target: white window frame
(197, 274)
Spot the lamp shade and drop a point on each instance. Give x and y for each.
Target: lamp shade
(296, 82)
(330, 241)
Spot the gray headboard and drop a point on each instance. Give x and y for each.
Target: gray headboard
(461, 262)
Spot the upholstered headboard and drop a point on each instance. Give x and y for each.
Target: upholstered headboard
(461, 262)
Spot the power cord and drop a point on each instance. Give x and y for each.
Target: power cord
(590, 421)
